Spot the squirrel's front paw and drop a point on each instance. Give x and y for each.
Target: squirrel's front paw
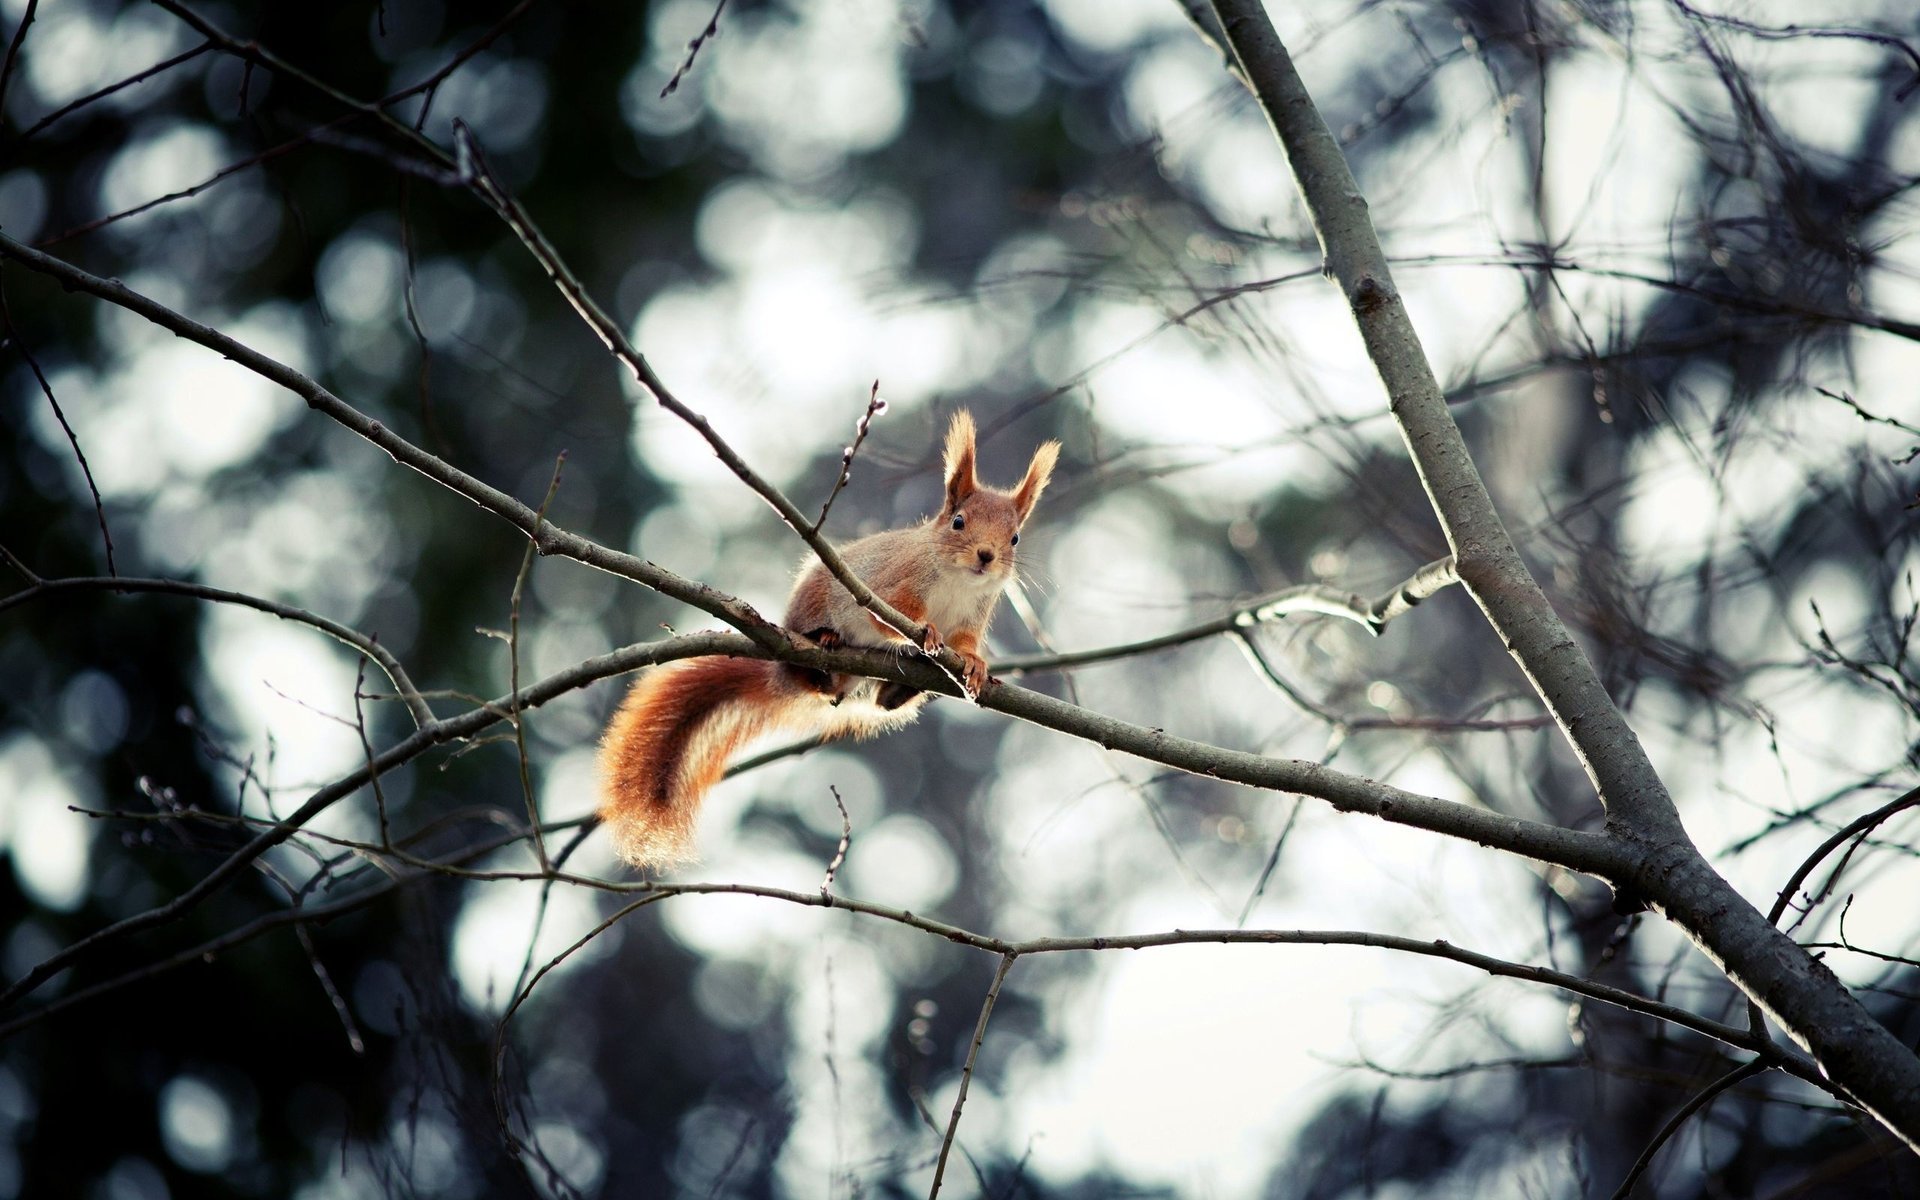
(930, 641)
(973, 672)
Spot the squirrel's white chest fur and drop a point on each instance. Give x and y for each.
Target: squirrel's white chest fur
(959, 598)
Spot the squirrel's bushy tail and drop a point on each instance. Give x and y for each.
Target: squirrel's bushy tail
(670, 742)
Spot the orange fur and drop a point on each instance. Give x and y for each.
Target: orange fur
(680, 723)
(670, 742)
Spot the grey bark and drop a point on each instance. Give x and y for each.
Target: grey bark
(1662, 865)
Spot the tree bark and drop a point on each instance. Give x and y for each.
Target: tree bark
(1862, 1058)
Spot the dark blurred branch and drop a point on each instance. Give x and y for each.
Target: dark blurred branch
(254, 53)
(110, 89)
(360, 642)
(13, 49)
(1859, 827)
(1784, 33)
(1704, 1097)
(1661, 862)
(327, 132)
(73, 439)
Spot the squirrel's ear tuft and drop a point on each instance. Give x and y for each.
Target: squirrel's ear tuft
(961, 480)
(1038, 472)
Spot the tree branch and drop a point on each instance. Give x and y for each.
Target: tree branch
(360, 642)
(966, 1072)
(1801, 993)
(1700, 1100)
(548, 537)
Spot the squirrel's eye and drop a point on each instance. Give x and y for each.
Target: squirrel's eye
(1016, 539)
(959, 520)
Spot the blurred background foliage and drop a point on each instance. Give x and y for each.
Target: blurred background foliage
(1660, 260)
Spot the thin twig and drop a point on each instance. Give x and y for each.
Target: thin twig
(513, 663)
(1700, 1100)
(73, 439)
(1273, 861)
(1857, 827)
(1874, 418)
(846, 840)
(1375, 614)
(615, 339)
(875, 406)
(693, 50)
(966, 1072)
(41, 589)
(366, 749)
(13, 49)
(111, 88)
(13, 560)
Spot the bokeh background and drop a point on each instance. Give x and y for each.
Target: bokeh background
(1663, 262)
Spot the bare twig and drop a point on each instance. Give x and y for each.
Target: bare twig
(549, 538)
(110, 89)
(966, 1072)
(875, 406)
(186, 193)
(43, 589)
(693, 50)
(13, 49)
(615, 339)
(366, 750)
(1873, 418)
(1780, 33)
(1375, 614)
(1858, 827)
(13, 560)
(33, 364)
(1700, 1100)
(846, 840)
(513, 666)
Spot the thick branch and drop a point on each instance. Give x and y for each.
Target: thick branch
(1802, 994)
(1589, 853)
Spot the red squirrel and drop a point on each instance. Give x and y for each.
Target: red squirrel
(682, 721)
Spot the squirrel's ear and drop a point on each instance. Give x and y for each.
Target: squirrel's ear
(1038, 472)
(961, 481)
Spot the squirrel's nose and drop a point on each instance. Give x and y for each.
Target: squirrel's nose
(986, 556)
